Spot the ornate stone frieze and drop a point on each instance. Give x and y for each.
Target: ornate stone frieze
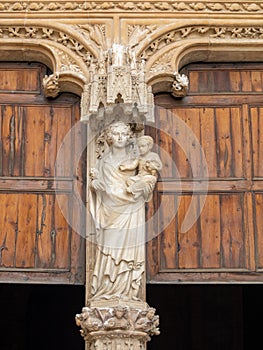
(136, 6)
(45, 33)
(199, 32)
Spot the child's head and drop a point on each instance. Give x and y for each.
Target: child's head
(145, 144)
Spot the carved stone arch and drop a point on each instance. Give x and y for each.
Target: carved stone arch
(169, 51)
(67, 50)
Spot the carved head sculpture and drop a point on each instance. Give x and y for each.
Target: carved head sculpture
(145, 144)
(119, 311)
(118, 128)
(150, 313)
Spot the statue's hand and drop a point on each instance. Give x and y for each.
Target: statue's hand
(97, 185)
(94, 174)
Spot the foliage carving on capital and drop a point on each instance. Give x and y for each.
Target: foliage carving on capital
(107, 321)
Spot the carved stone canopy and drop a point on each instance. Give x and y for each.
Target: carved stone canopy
(117, 78)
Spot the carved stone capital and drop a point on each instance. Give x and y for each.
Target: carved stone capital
(118, 327)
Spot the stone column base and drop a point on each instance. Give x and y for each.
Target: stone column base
(117, 340)
(118, 326)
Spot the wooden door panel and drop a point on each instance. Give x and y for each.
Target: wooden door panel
(211, 129)
(41, 200)
(216, 240)
(16, 80)
(31, 138)
(225, 78)
(256, 113)
(258, 211)
(224, 112)
(35, 232)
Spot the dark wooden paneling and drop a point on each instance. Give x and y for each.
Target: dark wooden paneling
(216, 239)
(41, 237)
(227, 78)
(220, 121)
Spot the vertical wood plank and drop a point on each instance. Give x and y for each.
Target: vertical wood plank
(256, 81)
(61, 234)
(34, 144)
(236, 139)
(224, 149)
(26, 230)
(8, 224)
(235, 81)
(165, 142)
(188, 242)
(246, 81)
(50, 143)
(232, 235)
(65, 140)
(182, 147)
(257, 140)
(211, 235)
(44, 228)
(168, 232)
(7, 114)
(258, 200)
(208, 139)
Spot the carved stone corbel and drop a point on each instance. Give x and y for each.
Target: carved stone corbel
(179, 86)
(51, 85)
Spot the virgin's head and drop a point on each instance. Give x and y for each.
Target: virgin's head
(118, 134)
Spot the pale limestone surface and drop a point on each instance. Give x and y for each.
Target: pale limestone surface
(72, 39)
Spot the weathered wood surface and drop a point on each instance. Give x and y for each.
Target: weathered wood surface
(37, 243)
(224, 110)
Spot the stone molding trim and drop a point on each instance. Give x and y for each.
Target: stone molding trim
(135, 6)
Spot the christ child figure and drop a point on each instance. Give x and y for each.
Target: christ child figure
(148, 164)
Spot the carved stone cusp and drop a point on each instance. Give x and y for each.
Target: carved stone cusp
(180, 85)
(51, 85)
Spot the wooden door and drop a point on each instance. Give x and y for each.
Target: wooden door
(39, 202)
(222, 180)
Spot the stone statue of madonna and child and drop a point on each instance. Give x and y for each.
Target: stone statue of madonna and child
(120, 186)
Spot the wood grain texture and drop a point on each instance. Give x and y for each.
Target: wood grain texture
(224, 112)
(37, 241)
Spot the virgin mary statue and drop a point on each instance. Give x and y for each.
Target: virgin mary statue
(120, 222)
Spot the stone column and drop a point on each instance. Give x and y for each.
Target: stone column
(121, 181)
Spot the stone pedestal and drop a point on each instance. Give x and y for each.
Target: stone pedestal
(118, 326)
